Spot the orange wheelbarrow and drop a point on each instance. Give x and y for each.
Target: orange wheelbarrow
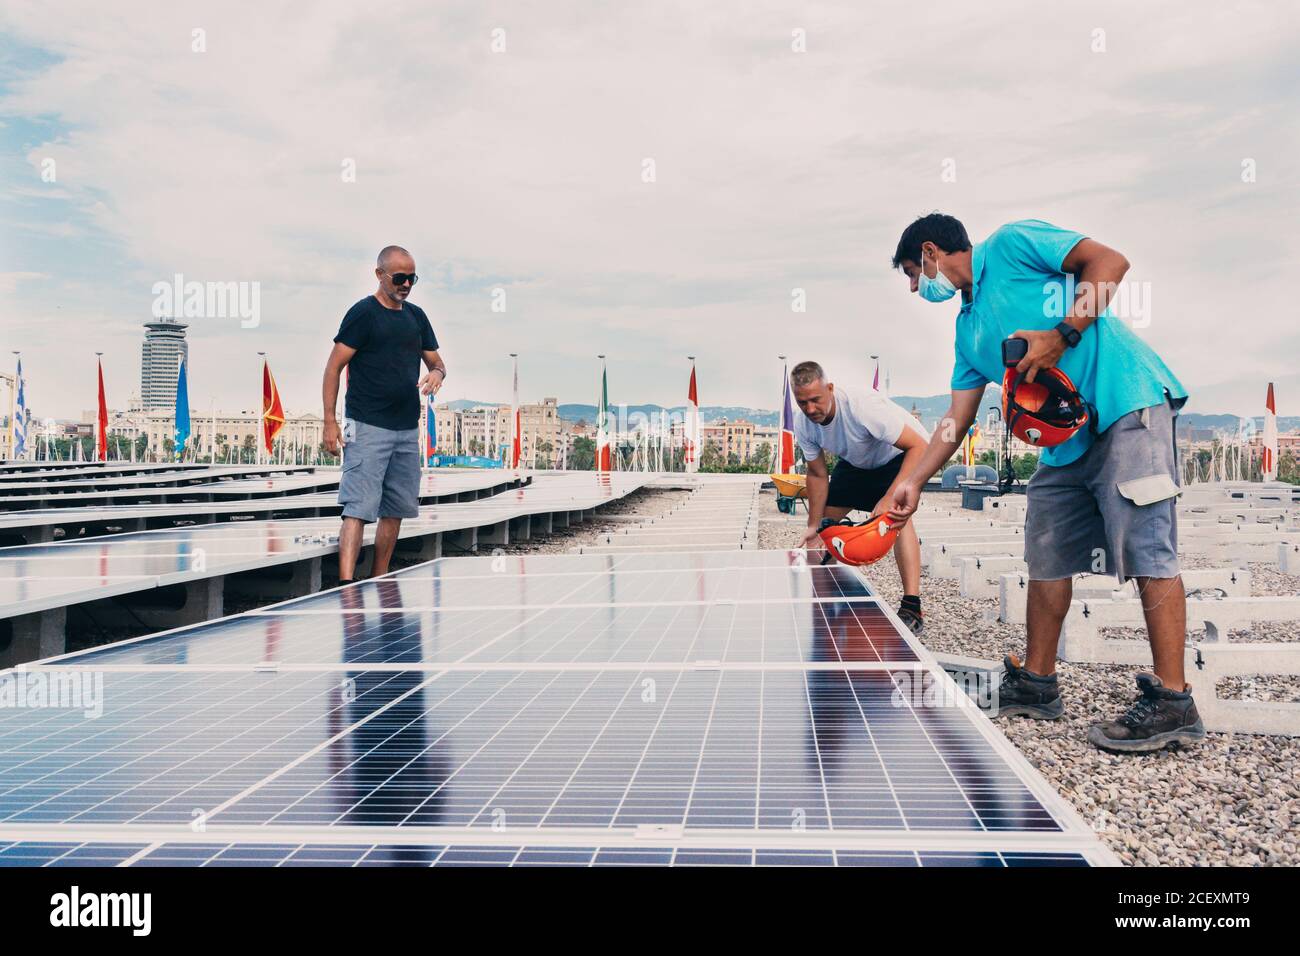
(789, 490)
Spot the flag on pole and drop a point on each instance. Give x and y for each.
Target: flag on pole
(101, 426)
(602, 422)
(272, 410)
(515, 437)
(430, 430)
(182, 412)
(968, 445)
(785, 461)
(1269, 457)
(875, 379)
(692, 443)
(20, 416)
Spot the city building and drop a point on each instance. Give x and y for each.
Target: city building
(236, 433)
(485, 430)
(769, 436)
(539, 428)
(730, 438)
(448, 439)
(160, 360)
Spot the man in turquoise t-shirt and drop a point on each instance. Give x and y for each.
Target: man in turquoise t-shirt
(1104, 500)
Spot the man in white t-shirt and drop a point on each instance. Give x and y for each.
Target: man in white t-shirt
(877, 444)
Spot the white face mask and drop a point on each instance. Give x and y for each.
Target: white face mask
(938, 289)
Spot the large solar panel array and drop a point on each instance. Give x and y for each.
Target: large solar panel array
(736, 708)
(215, 501)
(38, 577)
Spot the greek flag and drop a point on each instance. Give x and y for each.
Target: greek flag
(20, 417)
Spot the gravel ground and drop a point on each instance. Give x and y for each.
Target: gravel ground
(1234, 800)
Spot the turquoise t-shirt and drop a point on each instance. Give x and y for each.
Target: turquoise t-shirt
(1018, 284)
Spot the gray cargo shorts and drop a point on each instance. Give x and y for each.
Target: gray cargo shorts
(381, 472)
(1113, 510)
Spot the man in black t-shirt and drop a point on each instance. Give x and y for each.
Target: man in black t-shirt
(382, 342)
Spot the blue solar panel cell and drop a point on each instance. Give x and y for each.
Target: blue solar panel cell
(709, 749)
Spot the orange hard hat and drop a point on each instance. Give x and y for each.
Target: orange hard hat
(1045, 412)
(859, 544)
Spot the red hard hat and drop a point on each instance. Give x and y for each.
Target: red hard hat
(1045, 412)
(860, 544)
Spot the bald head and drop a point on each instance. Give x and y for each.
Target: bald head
(386, 255)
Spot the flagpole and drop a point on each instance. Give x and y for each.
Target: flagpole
(13, 398)
(780, 419)
(691, 428)
(516, 439)
(600, 429)
(101, 424)
(259, 412)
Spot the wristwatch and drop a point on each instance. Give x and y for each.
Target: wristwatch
(1069, 333)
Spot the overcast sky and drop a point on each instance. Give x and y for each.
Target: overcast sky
(523, 170)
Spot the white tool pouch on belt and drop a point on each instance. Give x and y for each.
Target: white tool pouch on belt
(1148, 490)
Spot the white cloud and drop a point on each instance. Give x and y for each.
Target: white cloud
(9, 280)
(775, 170)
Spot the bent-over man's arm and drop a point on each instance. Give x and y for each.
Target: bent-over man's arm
(818, 484)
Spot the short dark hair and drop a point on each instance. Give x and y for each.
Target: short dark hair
(945, 232)
(805, 373)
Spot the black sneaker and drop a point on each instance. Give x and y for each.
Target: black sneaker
(913, 618)
(1022, 694)
(1158, 718)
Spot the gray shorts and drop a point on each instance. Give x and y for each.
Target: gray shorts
(381, 472)
(1113, 510)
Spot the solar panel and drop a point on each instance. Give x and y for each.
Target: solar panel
(37, 577)
(306, 854)
(672, 709)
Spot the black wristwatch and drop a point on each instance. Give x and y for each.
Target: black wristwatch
(1069, 333)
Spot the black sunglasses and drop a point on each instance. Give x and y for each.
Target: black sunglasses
(402, 278)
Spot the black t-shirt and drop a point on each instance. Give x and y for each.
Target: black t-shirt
(384, 375)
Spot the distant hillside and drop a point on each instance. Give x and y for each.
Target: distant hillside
(708, 413)
(931, 408)
(1229, 423)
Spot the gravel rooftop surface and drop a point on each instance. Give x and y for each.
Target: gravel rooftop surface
(1234, 800)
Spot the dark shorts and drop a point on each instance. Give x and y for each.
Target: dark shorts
(381, 472)
(861, 488)
(1114, 509)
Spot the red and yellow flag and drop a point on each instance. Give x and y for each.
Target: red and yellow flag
(272, 410)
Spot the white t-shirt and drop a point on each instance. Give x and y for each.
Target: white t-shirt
(863, 431)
